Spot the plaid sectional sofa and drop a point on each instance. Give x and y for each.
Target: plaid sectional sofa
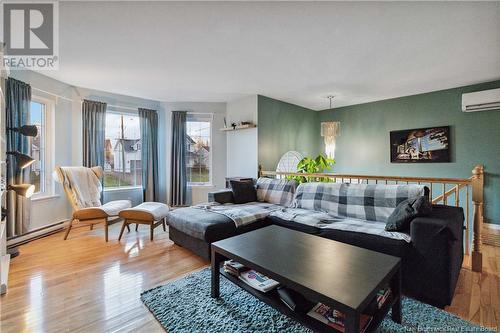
(431, 250)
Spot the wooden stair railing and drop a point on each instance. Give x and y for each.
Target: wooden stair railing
(459, 186)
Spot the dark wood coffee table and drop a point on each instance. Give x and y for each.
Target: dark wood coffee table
(341, 276)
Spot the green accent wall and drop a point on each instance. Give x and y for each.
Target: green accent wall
(363, 146)
(283, 127)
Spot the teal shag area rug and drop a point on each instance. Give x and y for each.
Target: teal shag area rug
(185, 306)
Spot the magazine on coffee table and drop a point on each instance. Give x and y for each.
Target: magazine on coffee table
(258, 281)
(334, 318)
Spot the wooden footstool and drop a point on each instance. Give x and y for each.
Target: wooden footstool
(151, 213)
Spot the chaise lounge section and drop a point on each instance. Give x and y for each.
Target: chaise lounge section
(195, 229)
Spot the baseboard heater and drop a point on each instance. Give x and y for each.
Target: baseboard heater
(35, 234)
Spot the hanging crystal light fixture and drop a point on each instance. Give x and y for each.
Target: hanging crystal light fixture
(330, 131)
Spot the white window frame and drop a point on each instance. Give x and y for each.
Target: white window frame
(120, 188)
(191, 116)
(48, 160)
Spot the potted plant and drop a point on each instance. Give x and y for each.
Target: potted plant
(310, 165)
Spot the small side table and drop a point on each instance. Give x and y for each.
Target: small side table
(228, 180)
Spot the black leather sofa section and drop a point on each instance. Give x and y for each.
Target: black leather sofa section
(431, 262)
(437, 254)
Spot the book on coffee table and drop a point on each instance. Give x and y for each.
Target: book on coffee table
(234, 268)
(382, 296)
(334, 318)
(258, 280)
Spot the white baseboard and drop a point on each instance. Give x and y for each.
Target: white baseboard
(491, 234)
(492, 226)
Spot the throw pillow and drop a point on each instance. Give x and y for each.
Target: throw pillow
(406, 211)
(243, 191)
(276, 191)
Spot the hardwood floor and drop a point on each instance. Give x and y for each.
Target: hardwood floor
(87, 285)
(477, 296)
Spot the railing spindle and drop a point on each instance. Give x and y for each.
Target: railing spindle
(477, 199)
(445, 199)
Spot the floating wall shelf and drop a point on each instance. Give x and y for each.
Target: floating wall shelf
(240, 127)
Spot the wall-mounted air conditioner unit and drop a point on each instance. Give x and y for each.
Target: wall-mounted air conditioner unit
(481, 100)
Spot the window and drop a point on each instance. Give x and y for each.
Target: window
(122, 151)
(37, 146)
(41, 147)
(198, 154)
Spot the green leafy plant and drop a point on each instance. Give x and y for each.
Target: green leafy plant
(313, 165)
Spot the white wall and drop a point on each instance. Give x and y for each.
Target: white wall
(218, 146)
(68, 140)
(242, 159)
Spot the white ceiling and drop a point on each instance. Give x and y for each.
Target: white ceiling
(298, 52)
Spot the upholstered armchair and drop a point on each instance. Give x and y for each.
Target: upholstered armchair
(83, 187)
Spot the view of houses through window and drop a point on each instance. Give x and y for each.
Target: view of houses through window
(123, 166)
(122, 163)
(37, 146)
(198, 149)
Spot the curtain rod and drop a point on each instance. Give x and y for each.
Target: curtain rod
(81, 100)
(200, 113)
(111, 105)
(49, 93)
(122, 107)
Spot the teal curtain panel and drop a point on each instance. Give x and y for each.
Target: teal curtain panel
(94, 123)
(178, 171)
(18, 100)
(149, 153)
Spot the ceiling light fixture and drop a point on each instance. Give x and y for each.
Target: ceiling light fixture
(330, 130)
(330, 97)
